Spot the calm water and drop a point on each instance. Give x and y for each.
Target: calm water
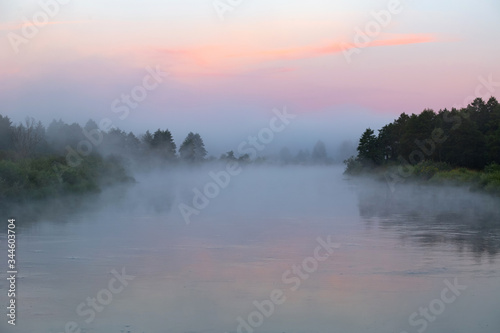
(394, 256)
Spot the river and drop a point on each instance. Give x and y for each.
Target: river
(279, 249)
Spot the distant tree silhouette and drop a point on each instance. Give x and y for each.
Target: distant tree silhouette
(60, 135)
(164, 143)
(193, 149)
(90, 125)
(319, 153)
(245, 158)
(6, 131)
(302, 157)
(285, 156)
(229, 156)
(147, 138)
(28, 136)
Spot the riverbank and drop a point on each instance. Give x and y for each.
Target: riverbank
(36, 180)
(432, 173)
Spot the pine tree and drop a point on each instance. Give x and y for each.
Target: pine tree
(164, 143)
(369, 152)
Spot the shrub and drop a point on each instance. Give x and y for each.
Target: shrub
(353, 166)
(51, 177)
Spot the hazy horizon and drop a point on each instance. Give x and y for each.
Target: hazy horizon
(225, 75)
(310, 166)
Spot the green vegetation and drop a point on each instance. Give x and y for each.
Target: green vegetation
(47, 177)
(459, 147)
(67, 160)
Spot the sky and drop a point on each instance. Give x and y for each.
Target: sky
(340, 65)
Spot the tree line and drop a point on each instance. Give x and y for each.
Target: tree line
(31, 139)
(468, 137)
(35, 161)
(60, 159)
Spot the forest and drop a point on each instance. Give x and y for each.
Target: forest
(459, 146)
(451, 146)
(38, 162)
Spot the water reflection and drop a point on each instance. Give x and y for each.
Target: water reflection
(396, 250)
(430, 215)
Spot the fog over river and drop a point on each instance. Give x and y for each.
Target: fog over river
(297, 249)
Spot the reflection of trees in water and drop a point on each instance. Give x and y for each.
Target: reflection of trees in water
(57, 210)
(60, 210)
(434, 215)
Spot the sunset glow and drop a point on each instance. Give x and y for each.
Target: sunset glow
(310, 57)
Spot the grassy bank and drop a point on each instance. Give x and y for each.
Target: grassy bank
(433, 173)
(49, 177)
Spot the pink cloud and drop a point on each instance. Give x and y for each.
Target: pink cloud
(225, 59)
(338, 47)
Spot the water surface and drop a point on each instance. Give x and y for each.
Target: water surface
(396, 250)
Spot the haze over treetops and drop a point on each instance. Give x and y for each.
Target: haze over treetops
(262, 54)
